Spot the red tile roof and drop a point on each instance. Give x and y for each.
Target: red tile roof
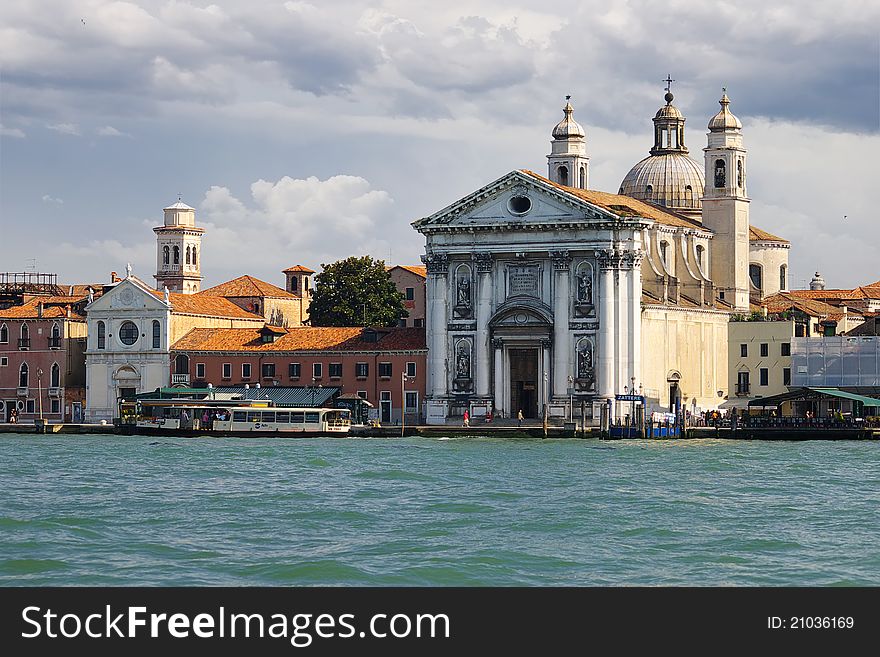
(208, 306)
(247, 286)
(300, 268)
(758, 235)
(302, 338)
(418, 270)
(782, 301)
(53, 308)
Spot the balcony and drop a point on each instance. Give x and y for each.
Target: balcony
(22, 391)
(180, 379)
(171, 268)
(54, 392)
(55, 343)
(24, 343)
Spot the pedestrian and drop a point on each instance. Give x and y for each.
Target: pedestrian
(489, 416)
(467, 419)
(13, 416)
(519, 417)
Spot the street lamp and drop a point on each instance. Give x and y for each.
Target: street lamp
(403, 379)
(570, 398)
(312, 391)
(40, 390)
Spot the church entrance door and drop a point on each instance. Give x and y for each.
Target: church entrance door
(524, 382)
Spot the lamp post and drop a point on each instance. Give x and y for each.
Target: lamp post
(570, 399)
(40, 390)
(403, 378)
(312, 393)
(632, 403)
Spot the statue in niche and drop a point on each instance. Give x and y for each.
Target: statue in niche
(585, 288)
(739, 174)
(719, 173)
(464, 292)
(463, 364)
(585, 364)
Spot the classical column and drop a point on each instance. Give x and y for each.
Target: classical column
(437, 293)
(633, 261)
(606, 346)
(497, 345)
(561, 336)
(545, 363)
(483, 266)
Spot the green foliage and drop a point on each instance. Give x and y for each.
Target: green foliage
(355, 292)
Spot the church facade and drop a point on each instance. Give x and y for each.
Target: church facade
(543, 292)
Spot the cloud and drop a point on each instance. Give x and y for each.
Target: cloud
(11, 132)
(65, 128)
(110, 131)
(52, 200)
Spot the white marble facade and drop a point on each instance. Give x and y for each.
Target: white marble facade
(533, 298)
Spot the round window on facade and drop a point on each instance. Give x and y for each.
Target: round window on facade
(519, 204)
(128, 333)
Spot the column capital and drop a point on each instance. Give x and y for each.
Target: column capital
(497, 343)
(436, 263)
(561, 260)
(631, 259)
(546, 343)
(483, 262)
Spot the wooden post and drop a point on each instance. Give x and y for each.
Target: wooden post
(545, 420)
(583, 419)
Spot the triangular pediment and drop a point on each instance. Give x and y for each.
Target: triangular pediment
(516, 198)
(127, 294)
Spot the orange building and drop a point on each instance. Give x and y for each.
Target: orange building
(410, 282)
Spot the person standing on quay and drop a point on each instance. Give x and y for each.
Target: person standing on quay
(467, 419)
(519, 417)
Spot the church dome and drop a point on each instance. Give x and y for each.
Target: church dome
(668, 177)
(568, 127)
(725, 119)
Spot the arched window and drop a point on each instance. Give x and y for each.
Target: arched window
(4, 334)
(293, 284)
(187, 256)
(562, 172)
(157, 334)
(720, 174)
(165, 255)
(55, 376)
(783, 272)
(583, 184)
(756, 275)
(176, 255)
(305, 285)
(23, 376)
(649, 190)
(25, 332)
(664, 247)
(102, 335)
(194, 257)
(181, 364)
(700, 251)
(688, 197)
(56, 330)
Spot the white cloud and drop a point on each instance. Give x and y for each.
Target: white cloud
(11, 132)
(65, 128)
(52, 200)
(110, 131)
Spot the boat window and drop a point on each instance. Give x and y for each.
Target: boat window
(313, 418)
(283, 417)
(239, 416)
(268, 416)
(253, 416)
(297, 418)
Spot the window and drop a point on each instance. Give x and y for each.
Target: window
(312, 418)
(23, 376)
(305, 285)
(31, 406)
(55, 376)
(157, 334)
(317, 370)
(764, 375)
(24, 341)
(385, 395)
(176, 255)
(756, 276)
(283, 417)
(563, 175)
(419, 323)
(4, 334)
(335, 370)
(362, 370)
(410, 293)
(128, 333)
(410, 369)
(165, 255)
(362, 394)
(194, 257)
(227, 370)
(56, 406)
(4, 361)
(385, 370)
(742, 383)
(412, 402)
(786, 376)
(744, 351)
(401, 322)
(700, 251)
(268, 370)
(739, 173)
(583, 184)
(720, 174)
(689, 196)
(200, 370)
(239, 416)
(649, 190)
(785, 349)
(245, 370)
(293, 284)
(181, 364)
(765, 350)
(55, 337)
(664, 246)
(188, 260)
(293, 370)
(783, 282)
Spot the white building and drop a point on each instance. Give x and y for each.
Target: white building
(542, 291)
(179, 250)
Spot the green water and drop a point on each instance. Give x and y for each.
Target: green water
(98, 510)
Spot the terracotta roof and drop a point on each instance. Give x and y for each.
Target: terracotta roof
(299, 268)
(758, 235)
(624, 205)
(210, 306)
(782, 301)
(53, 308)
(856, 293)
(247, 286)
(81, 289)
(418, 270)
(302, 338)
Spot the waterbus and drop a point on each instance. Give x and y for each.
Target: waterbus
(229, 417)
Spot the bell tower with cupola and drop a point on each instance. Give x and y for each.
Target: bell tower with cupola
(568, 162)
(726, 206)
(179, 250)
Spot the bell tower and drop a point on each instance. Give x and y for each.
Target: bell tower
(568, 162)
(726, 206)
(179, 250)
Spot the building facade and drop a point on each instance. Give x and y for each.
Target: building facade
(278, 307)
(410, 282)
(179, 250)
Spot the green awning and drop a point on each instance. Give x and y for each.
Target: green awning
(800, 394)
(834, 392)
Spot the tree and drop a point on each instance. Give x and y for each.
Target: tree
(355, 292)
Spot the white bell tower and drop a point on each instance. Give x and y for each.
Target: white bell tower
(568, 162)
(179, 250)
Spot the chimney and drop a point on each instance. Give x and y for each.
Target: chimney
(113, 277)
(40, 310)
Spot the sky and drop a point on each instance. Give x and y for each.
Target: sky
(304, 133)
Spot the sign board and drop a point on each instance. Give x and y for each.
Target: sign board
(522, 280)
(629, 398)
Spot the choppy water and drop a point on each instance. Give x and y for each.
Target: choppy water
(97, 510)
